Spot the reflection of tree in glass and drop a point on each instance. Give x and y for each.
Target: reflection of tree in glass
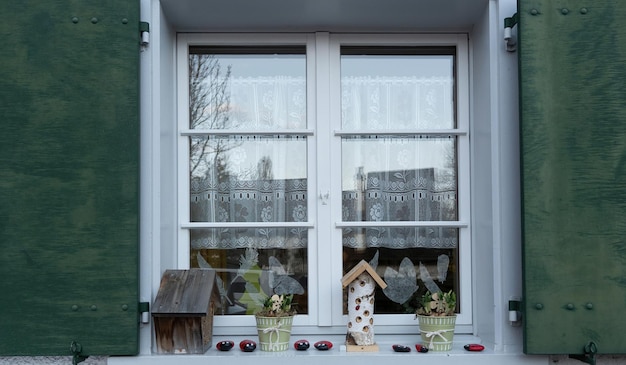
(447, 178)
(209, 108)
(264, 169)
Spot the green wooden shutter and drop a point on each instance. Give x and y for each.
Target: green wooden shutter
(69, 172)
(573, 148)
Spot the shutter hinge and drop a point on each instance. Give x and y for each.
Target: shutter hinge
(589, 356)
(144, 311)
(515, 311)
(509, 41)
(76, 349)
(144, 32)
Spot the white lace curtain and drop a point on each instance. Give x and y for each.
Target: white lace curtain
(410, 195)
(413, 194)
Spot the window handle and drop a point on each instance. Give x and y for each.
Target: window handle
(324, 197)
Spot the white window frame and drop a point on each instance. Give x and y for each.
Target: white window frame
(323, 103)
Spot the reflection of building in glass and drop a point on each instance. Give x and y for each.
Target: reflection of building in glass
(401, 195)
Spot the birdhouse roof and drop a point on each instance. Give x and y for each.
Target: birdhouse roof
(357, 270)
(186, 293)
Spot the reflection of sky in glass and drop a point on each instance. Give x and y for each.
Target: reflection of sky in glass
(368, 155)
(287, 157)
(397, 66)
(244, 156)
(388, 153)
(256, 66)
(264, 65)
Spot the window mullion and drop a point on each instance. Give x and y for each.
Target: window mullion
(335, 181)
(324, 160)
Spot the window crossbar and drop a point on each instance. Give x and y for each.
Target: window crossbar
(238, 132)
(404, 132)
(200, 225)
(450, 224)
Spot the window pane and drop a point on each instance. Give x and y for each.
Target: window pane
(400, 178)
(249, 178)
(383, 92)
(247, 91)
(246, 276)
(408, 272)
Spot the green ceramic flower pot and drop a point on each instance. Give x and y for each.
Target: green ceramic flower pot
(274, 332)
(437, 332)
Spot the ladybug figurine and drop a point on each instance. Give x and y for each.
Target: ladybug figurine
(474, 347)
(401, 348)
(421, 348)
(225, 345)
(301, 345)
(247, 345)
(323, 345)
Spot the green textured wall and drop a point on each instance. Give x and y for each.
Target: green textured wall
(69, 171)
(573, 137)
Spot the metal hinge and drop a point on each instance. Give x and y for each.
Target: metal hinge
(144, 33)
(515, 311)
(76, 349)
(590, 350)
(144, 311)
(509, 41)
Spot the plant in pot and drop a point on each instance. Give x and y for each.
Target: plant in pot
(436, 319)
(275, 318)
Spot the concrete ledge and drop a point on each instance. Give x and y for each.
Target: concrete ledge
(339, 356)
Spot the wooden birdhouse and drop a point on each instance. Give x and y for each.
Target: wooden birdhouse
(361, 282)
(183, 311)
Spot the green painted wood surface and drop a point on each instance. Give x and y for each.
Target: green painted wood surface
(573, 147)
(69, 167)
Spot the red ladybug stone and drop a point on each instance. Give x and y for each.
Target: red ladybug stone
(401, 348)
(474, 347)
(225, 345)
(421, 348)
(247, 345)
(301, 345)
(323, 345)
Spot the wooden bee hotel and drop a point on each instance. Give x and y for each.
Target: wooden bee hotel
(183, 311)
(361, 282)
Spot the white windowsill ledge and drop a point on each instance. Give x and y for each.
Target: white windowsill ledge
(338, 355)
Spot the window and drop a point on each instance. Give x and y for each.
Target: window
(300, 155)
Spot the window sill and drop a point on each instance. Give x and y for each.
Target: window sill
(338, 355)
